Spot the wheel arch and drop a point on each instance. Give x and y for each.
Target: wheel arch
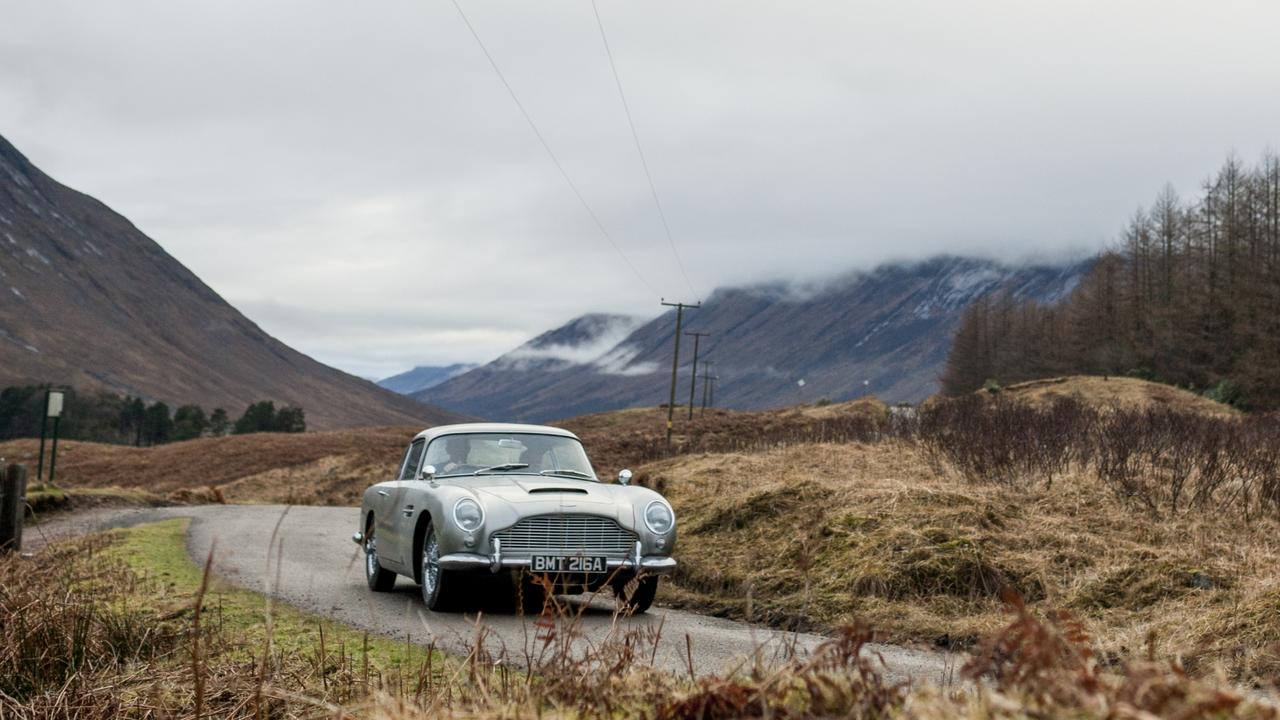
(419, 539)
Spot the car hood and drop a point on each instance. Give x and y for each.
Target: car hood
(522, 489)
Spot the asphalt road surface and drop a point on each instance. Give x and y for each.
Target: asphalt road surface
(315, 566)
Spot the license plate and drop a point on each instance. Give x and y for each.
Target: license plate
(567, 564)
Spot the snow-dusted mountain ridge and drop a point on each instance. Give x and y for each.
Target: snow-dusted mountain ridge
(884, 332)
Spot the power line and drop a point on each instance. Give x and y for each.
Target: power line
(653, 190)
(550, 153)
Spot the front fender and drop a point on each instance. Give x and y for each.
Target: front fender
(434, 506)
(652, 543)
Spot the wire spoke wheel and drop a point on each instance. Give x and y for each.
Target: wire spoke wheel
(379, 579)
(431, 568)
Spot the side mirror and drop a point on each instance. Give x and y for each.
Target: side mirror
(624, 477)
(428, 473)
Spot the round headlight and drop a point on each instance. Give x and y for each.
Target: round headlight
(659, 517)
(468, 515)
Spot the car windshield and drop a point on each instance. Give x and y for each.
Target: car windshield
(498, 453)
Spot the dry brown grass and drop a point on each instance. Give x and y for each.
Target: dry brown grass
(628, 438)
(94, 630)
(334, 468)
(1125, 392)
(818, 535)
(313, 468)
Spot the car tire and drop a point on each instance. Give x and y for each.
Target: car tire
(440, 588)
(379, 578)
(636, 595)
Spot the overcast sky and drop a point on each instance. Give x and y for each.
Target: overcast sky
(354, 177)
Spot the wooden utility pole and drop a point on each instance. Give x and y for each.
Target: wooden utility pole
(13, 503)
(675, 363)
(693, 371)
(706, 383)
(713, 380)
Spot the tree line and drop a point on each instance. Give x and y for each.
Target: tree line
(110, 418)
(1190, 296)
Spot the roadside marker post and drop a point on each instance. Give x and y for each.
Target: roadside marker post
(54, 410)
(13, 504)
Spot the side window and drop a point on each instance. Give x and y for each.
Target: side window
(410, 468)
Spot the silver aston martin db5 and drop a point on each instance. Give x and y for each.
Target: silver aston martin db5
(519, 504)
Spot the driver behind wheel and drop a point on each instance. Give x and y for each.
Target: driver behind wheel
(456, 448)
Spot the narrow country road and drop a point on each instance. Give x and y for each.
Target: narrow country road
(320, 570)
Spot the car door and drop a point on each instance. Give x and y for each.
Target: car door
(399, 538)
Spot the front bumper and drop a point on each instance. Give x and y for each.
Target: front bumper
(636, 562)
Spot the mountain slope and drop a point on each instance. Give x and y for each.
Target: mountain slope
(885, 332)
(423, 377)
(87, 300)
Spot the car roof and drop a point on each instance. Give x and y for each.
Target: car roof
(473, 428)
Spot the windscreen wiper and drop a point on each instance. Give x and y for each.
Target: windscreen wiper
(570, 473)
(499, 468)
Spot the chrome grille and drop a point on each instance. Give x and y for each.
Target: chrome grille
(567, 535)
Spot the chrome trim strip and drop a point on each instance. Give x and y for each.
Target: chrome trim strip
(475, 561)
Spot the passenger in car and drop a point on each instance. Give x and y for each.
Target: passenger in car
(535, 454)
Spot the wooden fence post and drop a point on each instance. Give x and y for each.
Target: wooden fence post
(13, 505)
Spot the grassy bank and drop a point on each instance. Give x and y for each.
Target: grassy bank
(46, 499)
(816, 536)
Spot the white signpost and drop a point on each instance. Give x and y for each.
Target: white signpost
(52, 409)
(55, 404)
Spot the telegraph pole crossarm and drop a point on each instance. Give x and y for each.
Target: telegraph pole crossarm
(675, 362)
(693, 369)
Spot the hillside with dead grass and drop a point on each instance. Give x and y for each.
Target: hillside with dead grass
(1142, 521)
(335, 467)
(816, 536)
(308, 468)
(1115, 391)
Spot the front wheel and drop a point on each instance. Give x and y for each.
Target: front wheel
(379, 578)
(440, 588)
(636, 594)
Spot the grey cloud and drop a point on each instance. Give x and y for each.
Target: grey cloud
(355, 178)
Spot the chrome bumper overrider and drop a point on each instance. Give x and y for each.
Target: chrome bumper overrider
(656, 565)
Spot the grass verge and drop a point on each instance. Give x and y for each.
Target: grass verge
(44, 499)
(157, 554)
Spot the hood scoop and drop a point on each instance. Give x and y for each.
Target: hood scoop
(556, 490)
